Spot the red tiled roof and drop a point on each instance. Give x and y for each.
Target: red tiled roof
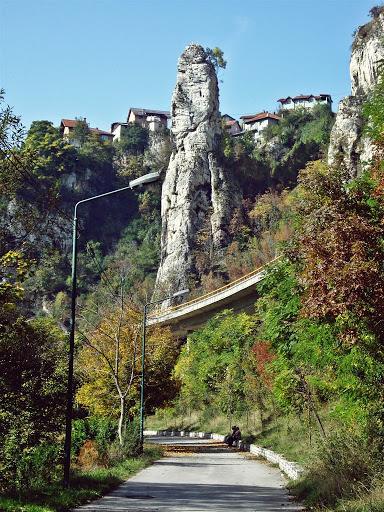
(69, 123)
(261, 116)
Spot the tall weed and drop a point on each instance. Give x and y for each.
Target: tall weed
(345, 465)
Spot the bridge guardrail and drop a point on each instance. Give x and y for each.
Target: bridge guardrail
(214, 292)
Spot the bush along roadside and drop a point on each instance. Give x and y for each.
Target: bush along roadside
(86, 485)
(347, 474)
(99, 463)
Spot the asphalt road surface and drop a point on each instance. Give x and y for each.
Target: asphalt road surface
(197, 475)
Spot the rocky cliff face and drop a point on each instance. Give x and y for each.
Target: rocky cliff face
(197, 193)
(348, 146)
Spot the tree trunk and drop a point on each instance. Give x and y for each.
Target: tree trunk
(121, 420)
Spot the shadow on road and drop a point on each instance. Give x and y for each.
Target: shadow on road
(192, 497)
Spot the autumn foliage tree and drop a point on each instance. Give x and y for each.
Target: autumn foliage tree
(341, 250)
(110, 363)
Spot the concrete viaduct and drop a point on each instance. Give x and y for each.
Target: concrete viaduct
(239, 295)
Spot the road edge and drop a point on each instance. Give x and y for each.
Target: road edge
(292, 469)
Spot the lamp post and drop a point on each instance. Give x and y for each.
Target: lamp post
(71, 351)
(143, 340)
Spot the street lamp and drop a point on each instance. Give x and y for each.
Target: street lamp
(143, 340)
(148, 178)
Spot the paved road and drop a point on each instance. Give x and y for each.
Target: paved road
(199, 475)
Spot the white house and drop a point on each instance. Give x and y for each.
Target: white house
(256, 123)
(117, 129)
(153, 120)
(231, 124)
(67, 126)
(305, 100)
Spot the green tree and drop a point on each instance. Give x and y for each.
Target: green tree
(32, 386)
(216, 57)
(80, 133)
(133, 141)
(11, 128)
(211, 364)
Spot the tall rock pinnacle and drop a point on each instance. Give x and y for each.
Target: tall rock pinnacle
(348, 145)
(196, 191)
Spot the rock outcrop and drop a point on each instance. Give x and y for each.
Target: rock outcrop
(349, 147)
(197, 193)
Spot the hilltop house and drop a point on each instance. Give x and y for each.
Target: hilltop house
(305, 100)
(231, 125)
(67, 126)
(153, 120)
(117, 129)
(256, 123)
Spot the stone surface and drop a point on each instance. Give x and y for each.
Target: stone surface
(156, 157)
(197, 193)
(349, 147)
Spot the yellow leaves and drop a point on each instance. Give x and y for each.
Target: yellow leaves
(110, 361)
(15, 261)
(92, 395)
(161, 346)
(13, 267)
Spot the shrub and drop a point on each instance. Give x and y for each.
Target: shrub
(96, 429)
(89, 456)
(31, 467)
(103, 431)
(345, 464)
(79, 435)
(131, 443)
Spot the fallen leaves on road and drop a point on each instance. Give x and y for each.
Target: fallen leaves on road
(178, 450)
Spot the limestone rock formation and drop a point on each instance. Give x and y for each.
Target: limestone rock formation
(157, 155)
(197, 193)
(348, 145)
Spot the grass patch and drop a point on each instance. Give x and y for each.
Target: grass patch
(367, 501)
(346, 475)
(372, 501)
(85, 486)
(291, 437)
(207, 421)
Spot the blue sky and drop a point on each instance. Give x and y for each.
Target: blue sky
(96, 58)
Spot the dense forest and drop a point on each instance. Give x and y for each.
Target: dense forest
(303, 373)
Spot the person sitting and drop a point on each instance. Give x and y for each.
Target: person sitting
(236, 436)
(229, 438)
